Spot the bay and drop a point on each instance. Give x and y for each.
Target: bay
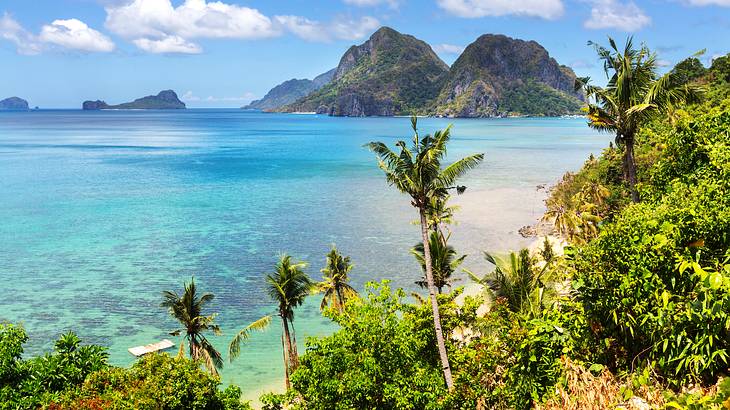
(102, 210)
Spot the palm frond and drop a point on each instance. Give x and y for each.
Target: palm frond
(234, 348)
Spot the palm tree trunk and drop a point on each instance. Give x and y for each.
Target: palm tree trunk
(286, 362)
(630, 167)
(291, 350)
(434, 302)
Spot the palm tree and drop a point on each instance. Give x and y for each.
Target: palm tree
(443, 257)
(334, 286)
(288, 285)
(417, 171)
(634, 94)
(518, 281)
(187, 309)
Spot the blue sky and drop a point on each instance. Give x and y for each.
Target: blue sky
(57, 53)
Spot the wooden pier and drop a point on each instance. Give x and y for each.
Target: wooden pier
(152, 347)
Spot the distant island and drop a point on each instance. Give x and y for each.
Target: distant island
(164, 100)
(397, 74)
(289, 91)
(14, 104)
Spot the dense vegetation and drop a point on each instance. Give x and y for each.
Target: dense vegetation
(629, 303)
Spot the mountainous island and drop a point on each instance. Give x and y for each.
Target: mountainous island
(498, 75)
(397, 74)
(14, 104)
(289, 91)
(391, 73)
(164, 100)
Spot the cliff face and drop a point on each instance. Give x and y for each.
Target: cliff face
(498, 75)
(14, 104)
(290, 91)
(391, 73)
(164, 100)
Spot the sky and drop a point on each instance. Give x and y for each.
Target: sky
(58, 53)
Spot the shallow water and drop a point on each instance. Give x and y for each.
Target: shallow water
(101, 211)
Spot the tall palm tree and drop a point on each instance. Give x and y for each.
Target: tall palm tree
(187, 309)
(334, 286)
(288, 286)
(417, 171)
(443, 257)
(634, 94)
(518, 281)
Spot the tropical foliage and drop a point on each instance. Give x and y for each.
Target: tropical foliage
(634, 94)
(417, 172)
(444, 259)
(188, 310)
(334, 286)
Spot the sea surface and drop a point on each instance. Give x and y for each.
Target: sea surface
(102, 210)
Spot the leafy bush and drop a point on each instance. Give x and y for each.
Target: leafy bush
(28, 384)
(382, 357)
(157, 381)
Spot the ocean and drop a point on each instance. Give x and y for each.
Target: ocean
(102, 210)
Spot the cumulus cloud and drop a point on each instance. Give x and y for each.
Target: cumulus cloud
(546, 9)
(581, 64)
(611, 14)
(72, 34)
(448, 49)
(167, 45)
(158, 26)
(191, 19)
(340, 28)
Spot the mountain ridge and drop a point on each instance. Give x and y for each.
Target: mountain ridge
(164, 100)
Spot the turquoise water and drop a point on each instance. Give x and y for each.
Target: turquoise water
(101, 211)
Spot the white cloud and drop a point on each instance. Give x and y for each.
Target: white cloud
(74, 34)
(546, 9)
(167, 45)
(610, 14)
(24, 41)
(581, 64)
(663, 63)
(370, 3)
(448, 49)
(340, 28)
(158, 25)
(724, 3)
(353, 29)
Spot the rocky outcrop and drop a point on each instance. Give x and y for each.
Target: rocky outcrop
(14, 104)
(164, 100)
(290, 91)
(391, 73)
(499, 75)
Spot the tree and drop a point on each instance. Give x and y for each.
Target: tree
(634, 94)
(288, 286)
(443, 258)
(518, 281)
(334, 286)
(187, 309)
(417, 171)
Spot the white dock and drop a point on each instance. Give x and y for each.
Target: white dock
(152, 347)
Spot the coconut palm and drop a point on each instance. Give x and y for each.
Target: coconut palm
(518, 281)
(334, 286)
(634, 94)
(443, 258)
(417, 171)
(187, 309)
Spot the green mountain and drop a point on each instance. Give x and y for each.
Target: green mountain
(13, 104)
(164, 100)
(498, 75)
(290, 91)
(389, 74)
